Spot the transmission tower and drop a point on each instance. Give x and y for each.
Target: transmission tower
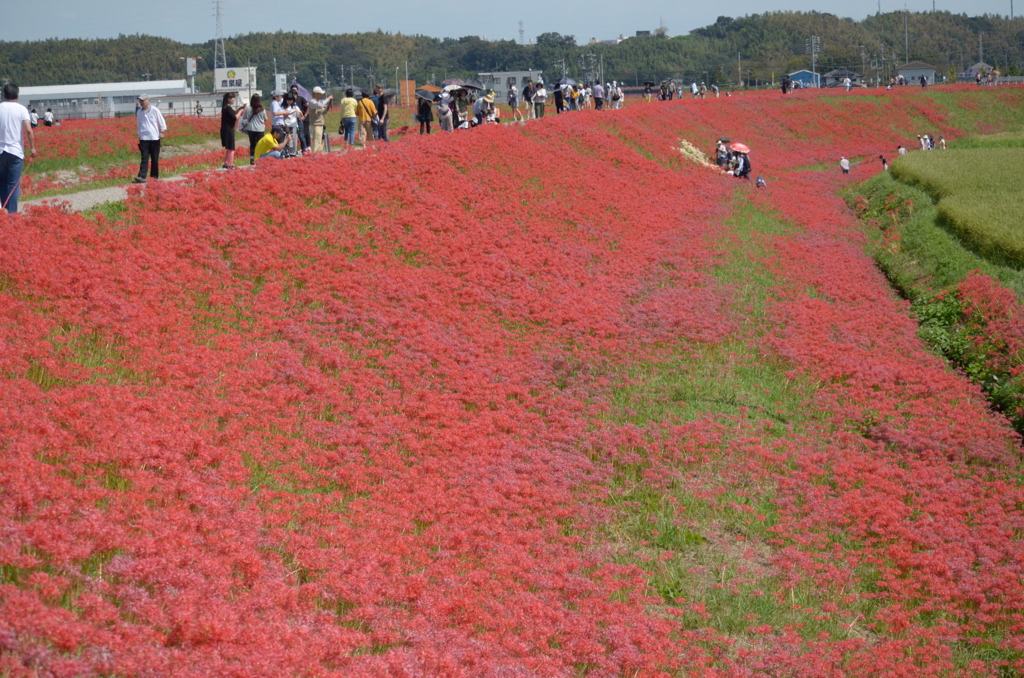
(522, 33)
(219, 59)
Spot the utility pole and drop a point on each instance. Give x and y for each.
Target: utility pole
(739, 71)
(813, 48)
(906, 34)
(326, 84)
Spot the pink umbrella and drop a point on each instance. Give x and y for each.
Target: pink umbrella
(741, 148)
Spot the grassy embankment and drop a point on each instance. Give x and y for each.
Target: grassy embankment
(937, 218)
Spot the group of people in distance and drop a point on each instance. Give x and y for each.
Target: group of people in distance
(299, 124)
(459, 108)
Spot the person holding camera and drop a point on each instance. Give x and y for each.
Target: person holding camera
(274, 143)
(318, 108)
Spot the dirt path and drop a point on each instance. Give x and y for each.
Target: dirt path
(81, 201)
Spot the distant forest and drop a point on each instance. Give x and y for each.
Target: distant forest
(746, 51)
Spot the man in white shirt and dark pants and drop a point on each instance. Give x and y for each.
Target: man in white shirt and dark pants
(151, 128)
(14, 125)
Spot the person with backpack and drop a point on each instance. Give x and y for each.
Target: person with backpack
(743, 167)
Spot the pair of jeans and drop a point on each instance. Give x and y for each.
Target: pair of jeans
(304, 135)
(349, 127)
(10, 181)
(150, 149)
(382, 130)
(277, 155)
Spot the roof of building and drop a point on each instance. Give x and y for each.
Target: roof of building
(841, 73)
(151, 87)
(801, 71)
(915, 66)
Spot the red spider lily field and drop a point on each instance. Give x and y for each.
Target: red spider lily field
(529, 400)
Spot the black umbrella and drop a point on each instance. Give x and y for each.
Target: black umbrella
(426, 94)
(454, 81)
(472, 84)
(567, 82)
(648, 82)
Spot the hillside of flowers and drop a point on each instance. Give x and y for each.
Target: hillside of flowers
(361, 415)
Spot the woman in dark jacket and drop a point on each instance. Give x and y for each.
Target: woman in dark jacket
(228, 118)
(425, 114)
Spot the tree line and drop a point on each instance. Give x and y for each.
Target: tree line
(732, 52)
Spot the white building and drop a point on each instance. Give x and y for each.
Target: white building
(110, 99)
(501, 81)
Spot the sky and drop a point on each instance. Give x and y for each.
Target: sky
(192, 21)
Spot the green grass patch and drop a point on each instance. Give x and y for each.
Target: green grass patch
(911, 244)
(978, 197)
(704, 539)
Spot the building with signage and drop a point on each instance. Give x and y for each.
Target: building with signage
(238, 79)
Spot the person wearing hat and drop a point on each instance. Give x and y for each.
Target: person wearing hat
(482, 107)
(277, 107)
(151, 128)
(318, 108)
(273, 143)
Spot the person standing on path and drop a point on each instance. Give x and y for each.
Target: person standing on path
(425, 114)
(303, 123)
(318, 108)
(513, 103)
(528, 98)
(228, 119)
(348, 117)
(598, 96)
(383, 112)
(847, 83)
(151, 126)
(844, 164)
(33, 118)
(444, 112)
(539, 97)
(366, 113)
(254, 124)
(15, 126)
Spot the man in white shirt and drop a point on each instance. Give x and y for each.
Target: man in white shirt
(151, 128)
(844, 164)
(14, 125)
(598, 96)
